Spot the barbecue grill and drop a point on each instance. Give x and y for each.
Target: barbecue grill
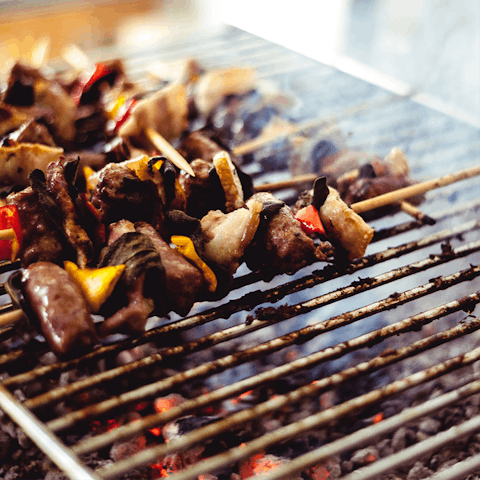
(397, 324)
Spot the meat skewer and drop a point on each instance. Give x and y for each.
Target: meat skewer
(387, 198)
(78, 60)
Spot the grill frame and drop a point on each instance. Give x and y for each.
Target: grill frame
(243, 46)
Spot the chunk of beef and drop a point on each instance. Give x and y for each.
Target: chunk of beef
(42, 240)
(183, 281)
(280, 245)
(198, 146)
(204, 192)
(120, 194)
(59, 308)
(140, 290)
(60, 190)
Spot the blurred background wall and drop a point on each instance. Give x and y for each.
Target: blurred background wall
(427, 48)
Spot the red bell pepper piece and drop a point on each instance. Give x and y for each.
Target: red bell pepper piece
(125, 116)
(101, 70)
(310, 220)
(9, 218)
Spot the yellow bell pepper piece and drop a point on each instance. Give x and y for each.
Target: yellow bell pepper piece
(87, 172)
(97, 284)
(187, 249)
(112, 112)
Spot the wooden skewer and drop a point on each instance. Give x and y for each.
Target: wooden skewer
(10, 318)
(40, 52)
(417, 214)
(412, 190)
(170, 152)
(289, 183)
(7, 234)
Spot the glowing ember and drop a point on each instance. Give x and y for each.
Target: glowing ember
(242, 396)
(163, 404)
(322, 471)
(378, 417)
(156, 431)
(262, 463)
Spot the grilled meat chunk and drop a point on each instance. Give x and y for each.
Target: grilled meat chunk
(59, 308)
(203, 192)
(120, 194)
(197, 145)
(183, 281)
(165, 111)
(280, 245)
(42, 240)
(141, 288)
(226, 236)
(59, 189)
(17, 162)
(28, 87)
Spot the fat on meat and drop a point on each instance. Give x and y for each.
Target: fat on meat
(17, 162)
(226, 236)
(344, 226)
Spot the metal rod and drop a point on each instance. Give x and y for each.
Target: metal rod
(247, 384)
(267, 317)
(62, 456)
(248, 301)
(408, 455)
(314, 421)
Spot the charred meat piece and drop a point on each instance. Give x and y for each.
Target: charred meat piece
(29, 132)
(280, 245)
(47, 94)
(141, 288)
(42, 240)
(203, 192)
(59, 308)
(60, 191)
(197, 145)
(120, 194)
(165, 111)
(12, 118)
(376, 178)
(183, 281)
(16, 163)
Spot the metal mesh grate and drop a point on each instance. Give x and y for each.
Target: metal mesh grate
(335, 327)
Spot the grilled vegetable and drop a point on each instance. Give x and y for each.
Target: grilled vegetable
(97, 284)
(187, 249)
(10, 223)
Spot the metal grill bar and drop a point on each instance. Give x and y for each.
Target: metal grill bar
(414, 452)
(311, 360)
(245, 303)
(45, 440)
(372, 432)
(284, 433)
(268, 317)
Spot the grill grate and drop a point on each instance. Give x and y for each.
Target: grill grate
(326, 315)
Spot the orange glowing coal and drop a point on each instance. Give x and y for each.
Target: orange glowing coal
(262, 463)
(162, 404)
(378, 417)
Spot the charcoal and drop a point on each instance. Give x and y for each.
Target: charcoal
(418, 472)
